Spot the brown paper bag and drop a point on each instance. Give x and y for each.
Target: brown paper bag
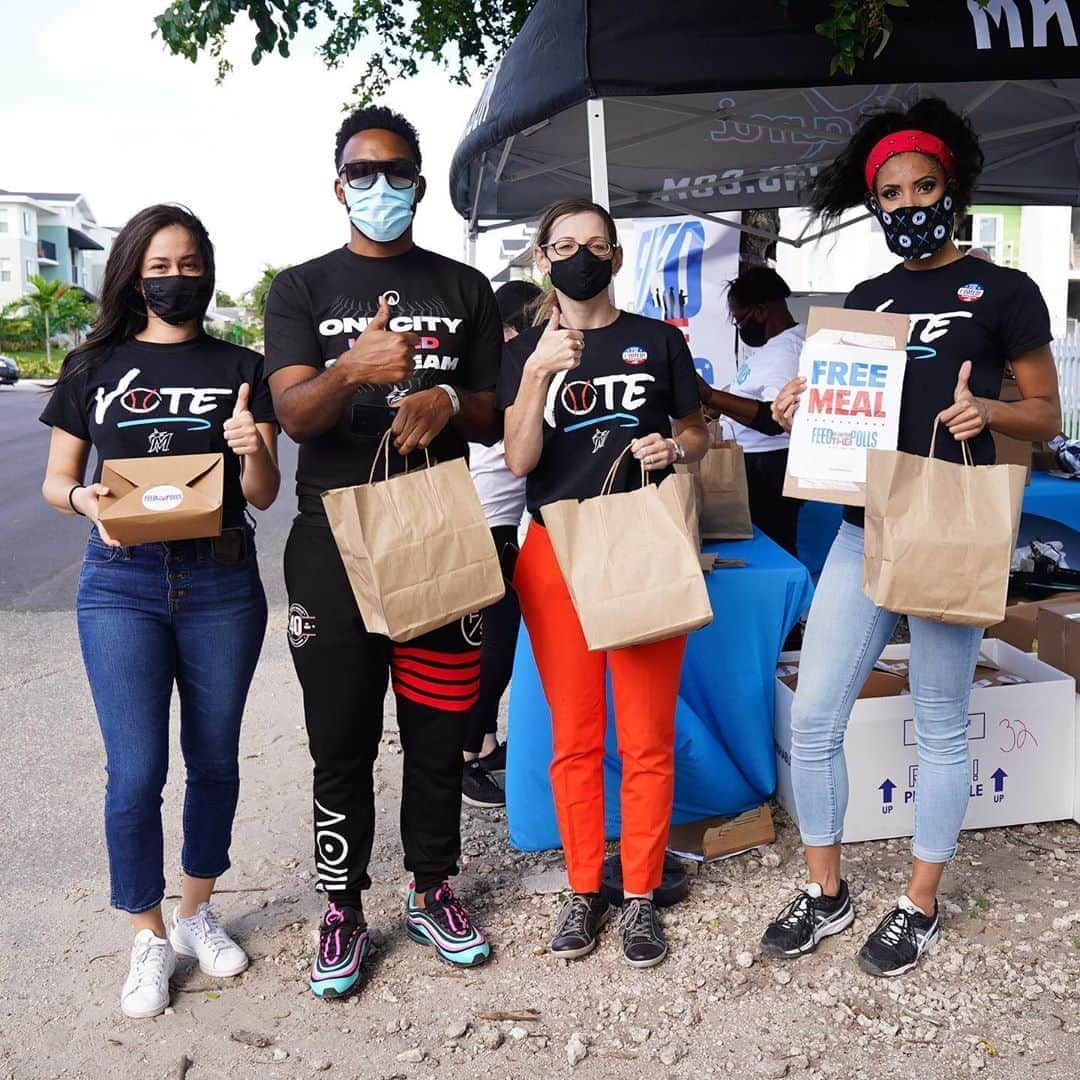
(629, 563)
(725, 498)
(416, 547)
(940, 537)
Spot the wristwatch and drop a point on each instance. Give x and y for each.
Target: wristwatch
(680, 452)
(452, 394)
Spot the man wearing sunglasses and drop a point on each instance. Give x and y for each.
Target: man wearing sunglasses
(379, 336)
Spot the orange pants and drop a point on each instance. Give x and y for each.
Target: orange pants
(645, 681)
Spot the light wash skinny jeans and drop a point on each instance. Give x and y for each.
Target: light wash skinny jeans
(845, 634)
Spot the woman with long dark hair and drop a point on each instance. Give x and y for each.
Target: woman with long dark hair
(149, 382)
(579, 389)
(916, 172)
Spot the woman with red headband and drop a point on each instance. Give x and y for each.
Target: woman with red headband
(915, 172)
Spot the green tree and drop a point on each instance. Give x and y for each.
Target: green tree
(44, 303)
(461, 37)
(261, 289)
(223, 299)
(16, 327)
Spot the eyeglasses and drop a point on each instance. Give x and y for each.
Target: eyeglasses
(401, 173)
(567, 248)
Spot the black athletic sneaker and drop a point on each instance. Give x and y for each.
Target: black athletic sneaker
(495, 762)
(810, 917)
(579, 923)
(478, 787)
(899, 940)
(643, 942)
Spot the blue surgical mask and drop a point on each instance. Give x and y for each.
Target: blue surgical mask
(381, 213)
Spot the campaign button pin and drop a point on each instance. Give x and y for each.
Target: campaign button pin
(635, 355)
(970, 293)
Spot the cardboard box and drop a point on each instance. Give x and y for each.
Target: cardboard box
(1019, 626)
(720, 838)
(1023, 741)
(1058, 630)
(1010, 451)
(852, 329)
(163, 498)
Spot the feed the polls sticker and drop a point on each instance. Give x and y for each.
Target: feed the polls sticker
(970, 293)
(162, 498)
(635, 355)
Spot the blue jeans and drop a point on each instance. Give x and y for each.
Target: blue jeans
(193, 613)
(845, 634)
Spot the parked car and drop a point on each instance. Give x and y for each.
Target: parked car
(9, 371)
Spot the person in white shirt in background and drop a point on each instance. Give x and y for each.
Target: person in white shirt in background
(757, 301)
(502, 496)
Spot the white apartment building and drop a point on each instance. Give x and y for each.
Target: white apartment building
(54, 234)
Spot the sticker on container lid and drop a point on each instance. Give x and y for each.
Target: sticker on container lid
(162, 498)
(970, 293)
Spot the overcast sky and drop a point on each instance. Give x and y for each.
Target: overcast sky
(90, 102)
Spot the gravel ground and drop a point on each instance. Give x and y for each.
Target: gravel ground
(997, 998)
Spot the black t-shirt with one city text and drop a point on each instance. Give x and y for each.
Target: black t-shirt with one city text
(971, 310)
(317, 310)
(145, 399)
(634, 376)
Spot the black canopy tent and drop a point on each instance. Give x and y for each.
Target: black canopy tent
(709, 106)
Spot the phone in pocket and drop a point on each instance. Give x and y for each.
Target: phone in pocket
(371, 421)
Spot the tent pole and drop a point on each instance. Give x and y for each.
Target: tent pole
(598, 152)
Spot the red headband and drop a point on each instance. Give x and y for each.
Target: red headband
(904, 142)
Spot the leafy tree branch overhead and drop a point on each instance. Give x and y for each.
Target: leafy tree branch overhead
(462, 36)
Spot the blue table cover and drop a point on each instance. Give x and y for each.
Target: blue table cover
(724, 761)
(1049, 497)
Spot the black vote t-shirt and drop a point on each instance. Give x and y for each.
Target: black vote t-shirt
(971, 310)
(315, 313)
(145, 399)
(633, 377)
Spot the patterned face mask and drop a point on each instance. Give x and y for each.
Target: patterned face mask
(916, 232)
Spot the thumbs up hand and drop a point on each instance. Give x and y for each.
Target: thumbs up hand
(557, 349)
(968, 414)
(380, 356)
(240, 431)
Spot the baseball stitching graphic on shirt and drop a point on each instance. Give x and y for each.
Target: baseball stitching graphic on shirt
(616, 397)
(160, 406)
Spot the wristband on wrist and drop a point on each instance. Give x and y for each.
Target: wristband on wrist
(680, 451)
(452, 394)
(71, 501)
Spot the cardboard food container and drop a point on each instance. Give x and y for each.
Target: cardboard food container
(1019, 626)
(853, 363)
(163, 498)
(720, 837)
(1058, 629)
(1022, 736)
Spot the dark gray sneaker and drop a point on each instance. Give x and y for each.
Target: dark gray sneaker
(579, 922)
(479, 787)
(899, 940)
(644, 944)
(810, 917)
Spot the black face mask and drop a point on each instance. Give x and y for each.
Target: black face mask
(178, 298)
(916, 232)
(752, 333)
(582, 276)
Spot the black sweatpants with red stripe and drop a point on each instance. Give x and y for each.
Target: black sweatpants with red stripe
(344, 672)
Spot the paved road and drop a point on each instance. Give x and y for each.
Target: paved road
(40, 551)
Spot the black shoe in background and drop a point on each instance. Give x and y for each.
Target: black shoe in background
(810, 917)
(579, 922)
(478, 787)
(644, 944)
(495, 762)
(899, 940)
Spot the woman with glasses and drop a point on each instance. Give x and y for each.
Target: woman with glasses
(149, 382)
(578, 389)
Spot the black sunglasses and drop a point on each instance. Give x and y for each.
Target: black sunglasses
(401, 173)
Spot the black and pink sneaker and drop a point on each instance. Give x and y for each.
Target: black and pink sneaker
(444, 924)
(343, 947)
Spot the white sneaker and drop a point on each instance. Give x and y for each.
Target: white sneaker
(146, 991)
(201, 935)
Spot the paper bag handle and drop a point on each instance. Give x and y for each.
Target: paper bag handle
(964, 448)
(609, 480)
(384, 452)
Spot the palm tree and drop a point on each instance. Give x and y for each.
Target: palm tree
(45, 300)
